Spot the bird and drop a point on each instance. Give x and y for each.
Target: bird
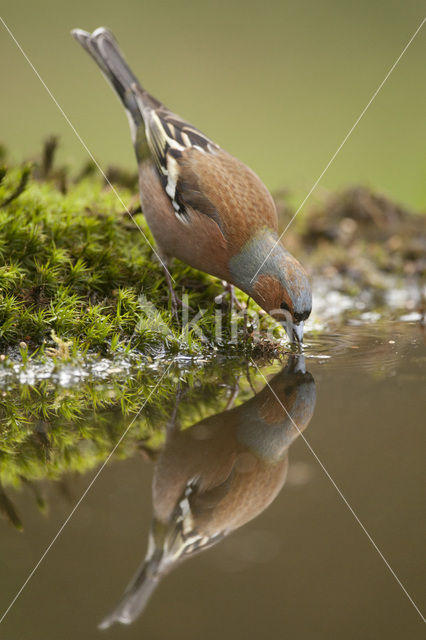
(204, 206)
(216, 475)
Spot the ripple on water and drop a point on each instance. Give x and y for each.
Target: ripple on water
(375, 348)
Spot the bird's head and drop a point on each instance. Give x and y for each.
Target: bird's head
(286, 297)
(276, 281)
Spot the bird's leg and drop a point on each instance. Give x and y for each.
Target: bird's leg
(245, 324)
(233, 297)
(175, 301)
(229, 289)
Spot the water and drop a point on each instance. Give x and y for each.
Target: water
(295, 562)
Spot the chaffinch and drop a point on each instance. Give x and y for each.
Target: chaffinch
(202, 205)
(217, 475)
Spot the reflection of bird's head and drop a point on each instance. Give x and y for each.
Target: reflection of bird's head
(217, 475)
(277, 415)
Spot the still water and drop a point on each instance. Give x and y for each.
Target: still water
(222, 521)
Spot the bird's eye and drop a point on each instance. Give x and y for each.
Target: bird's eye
(285, 306)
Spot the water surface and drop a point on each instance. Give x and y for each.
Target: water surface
(275, 550)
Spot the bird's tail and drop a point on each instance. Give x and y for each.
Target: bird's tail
(103, 48)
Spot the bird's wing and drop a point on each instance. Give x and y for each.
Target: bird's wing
(170, 139)
(199, 176)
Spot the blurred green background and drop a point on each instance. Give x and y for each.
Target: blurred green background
(277, 83)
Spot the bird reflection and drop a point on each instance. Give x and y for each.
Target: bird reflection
(215, 476)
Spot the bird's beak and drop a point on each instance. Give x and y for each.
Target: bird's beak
(294, 331)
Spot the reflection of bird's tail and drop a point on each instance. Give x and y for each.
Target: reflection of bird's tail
(138, 592)
(166, 546)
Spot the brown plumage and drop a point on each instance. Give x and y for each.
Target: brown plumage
(202, 205)
(217, 475)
